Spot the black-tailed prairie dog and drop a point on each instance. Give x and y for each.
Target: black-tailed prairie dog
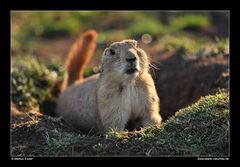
(122, 96)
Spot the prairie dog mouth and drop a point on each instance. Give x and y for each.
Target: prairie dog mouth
(131, 71)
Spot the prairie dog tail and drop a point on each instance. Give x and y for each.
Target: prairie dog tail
(78, 58)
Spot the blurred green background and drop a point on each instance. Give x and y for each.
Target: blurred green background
(31, 31)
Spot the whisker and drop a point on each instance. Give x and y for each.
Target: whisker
(154, 66)
(153, 71)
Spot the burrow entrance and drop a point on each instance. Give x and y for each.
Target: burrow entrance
(182, 80)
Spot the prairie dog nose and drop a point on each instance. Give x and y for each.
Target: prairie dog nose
(130, 57)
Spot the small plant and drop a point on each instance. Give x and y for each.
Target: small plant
(223, 46)
(63, 144)
(100, 149)
(31, 81)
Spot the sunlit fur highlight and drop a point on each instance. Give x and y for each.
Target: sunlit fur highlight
(111, 99)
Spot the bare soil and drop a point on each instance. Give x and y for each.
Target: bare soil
(180, 80)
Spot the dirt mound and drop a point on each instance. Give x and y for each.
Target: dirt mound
(31, 130)
(198, 130)
(181, 80)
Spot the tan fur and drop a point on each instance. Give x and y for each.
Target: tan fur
(79, 57)
(113, 98)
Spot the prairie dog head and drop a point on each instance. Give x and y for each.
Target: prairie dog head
(124, 60)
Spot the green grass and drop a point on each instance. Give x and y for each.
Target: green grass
(29, 26)
(199, 47)
(222, 45)
(201, 129)
(32, 80)
(47, 24)
(63, 144)
(190, 22)
(35, 82)
(145, 25)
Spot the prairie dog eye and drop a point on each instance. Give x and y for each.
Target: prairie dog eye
(112, 52)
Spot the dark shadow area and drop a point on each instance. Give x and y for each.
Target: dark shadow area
(180, 81)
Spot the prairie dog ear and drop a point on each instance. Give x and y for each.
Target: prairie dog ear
(105, 51)
(132, 42)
